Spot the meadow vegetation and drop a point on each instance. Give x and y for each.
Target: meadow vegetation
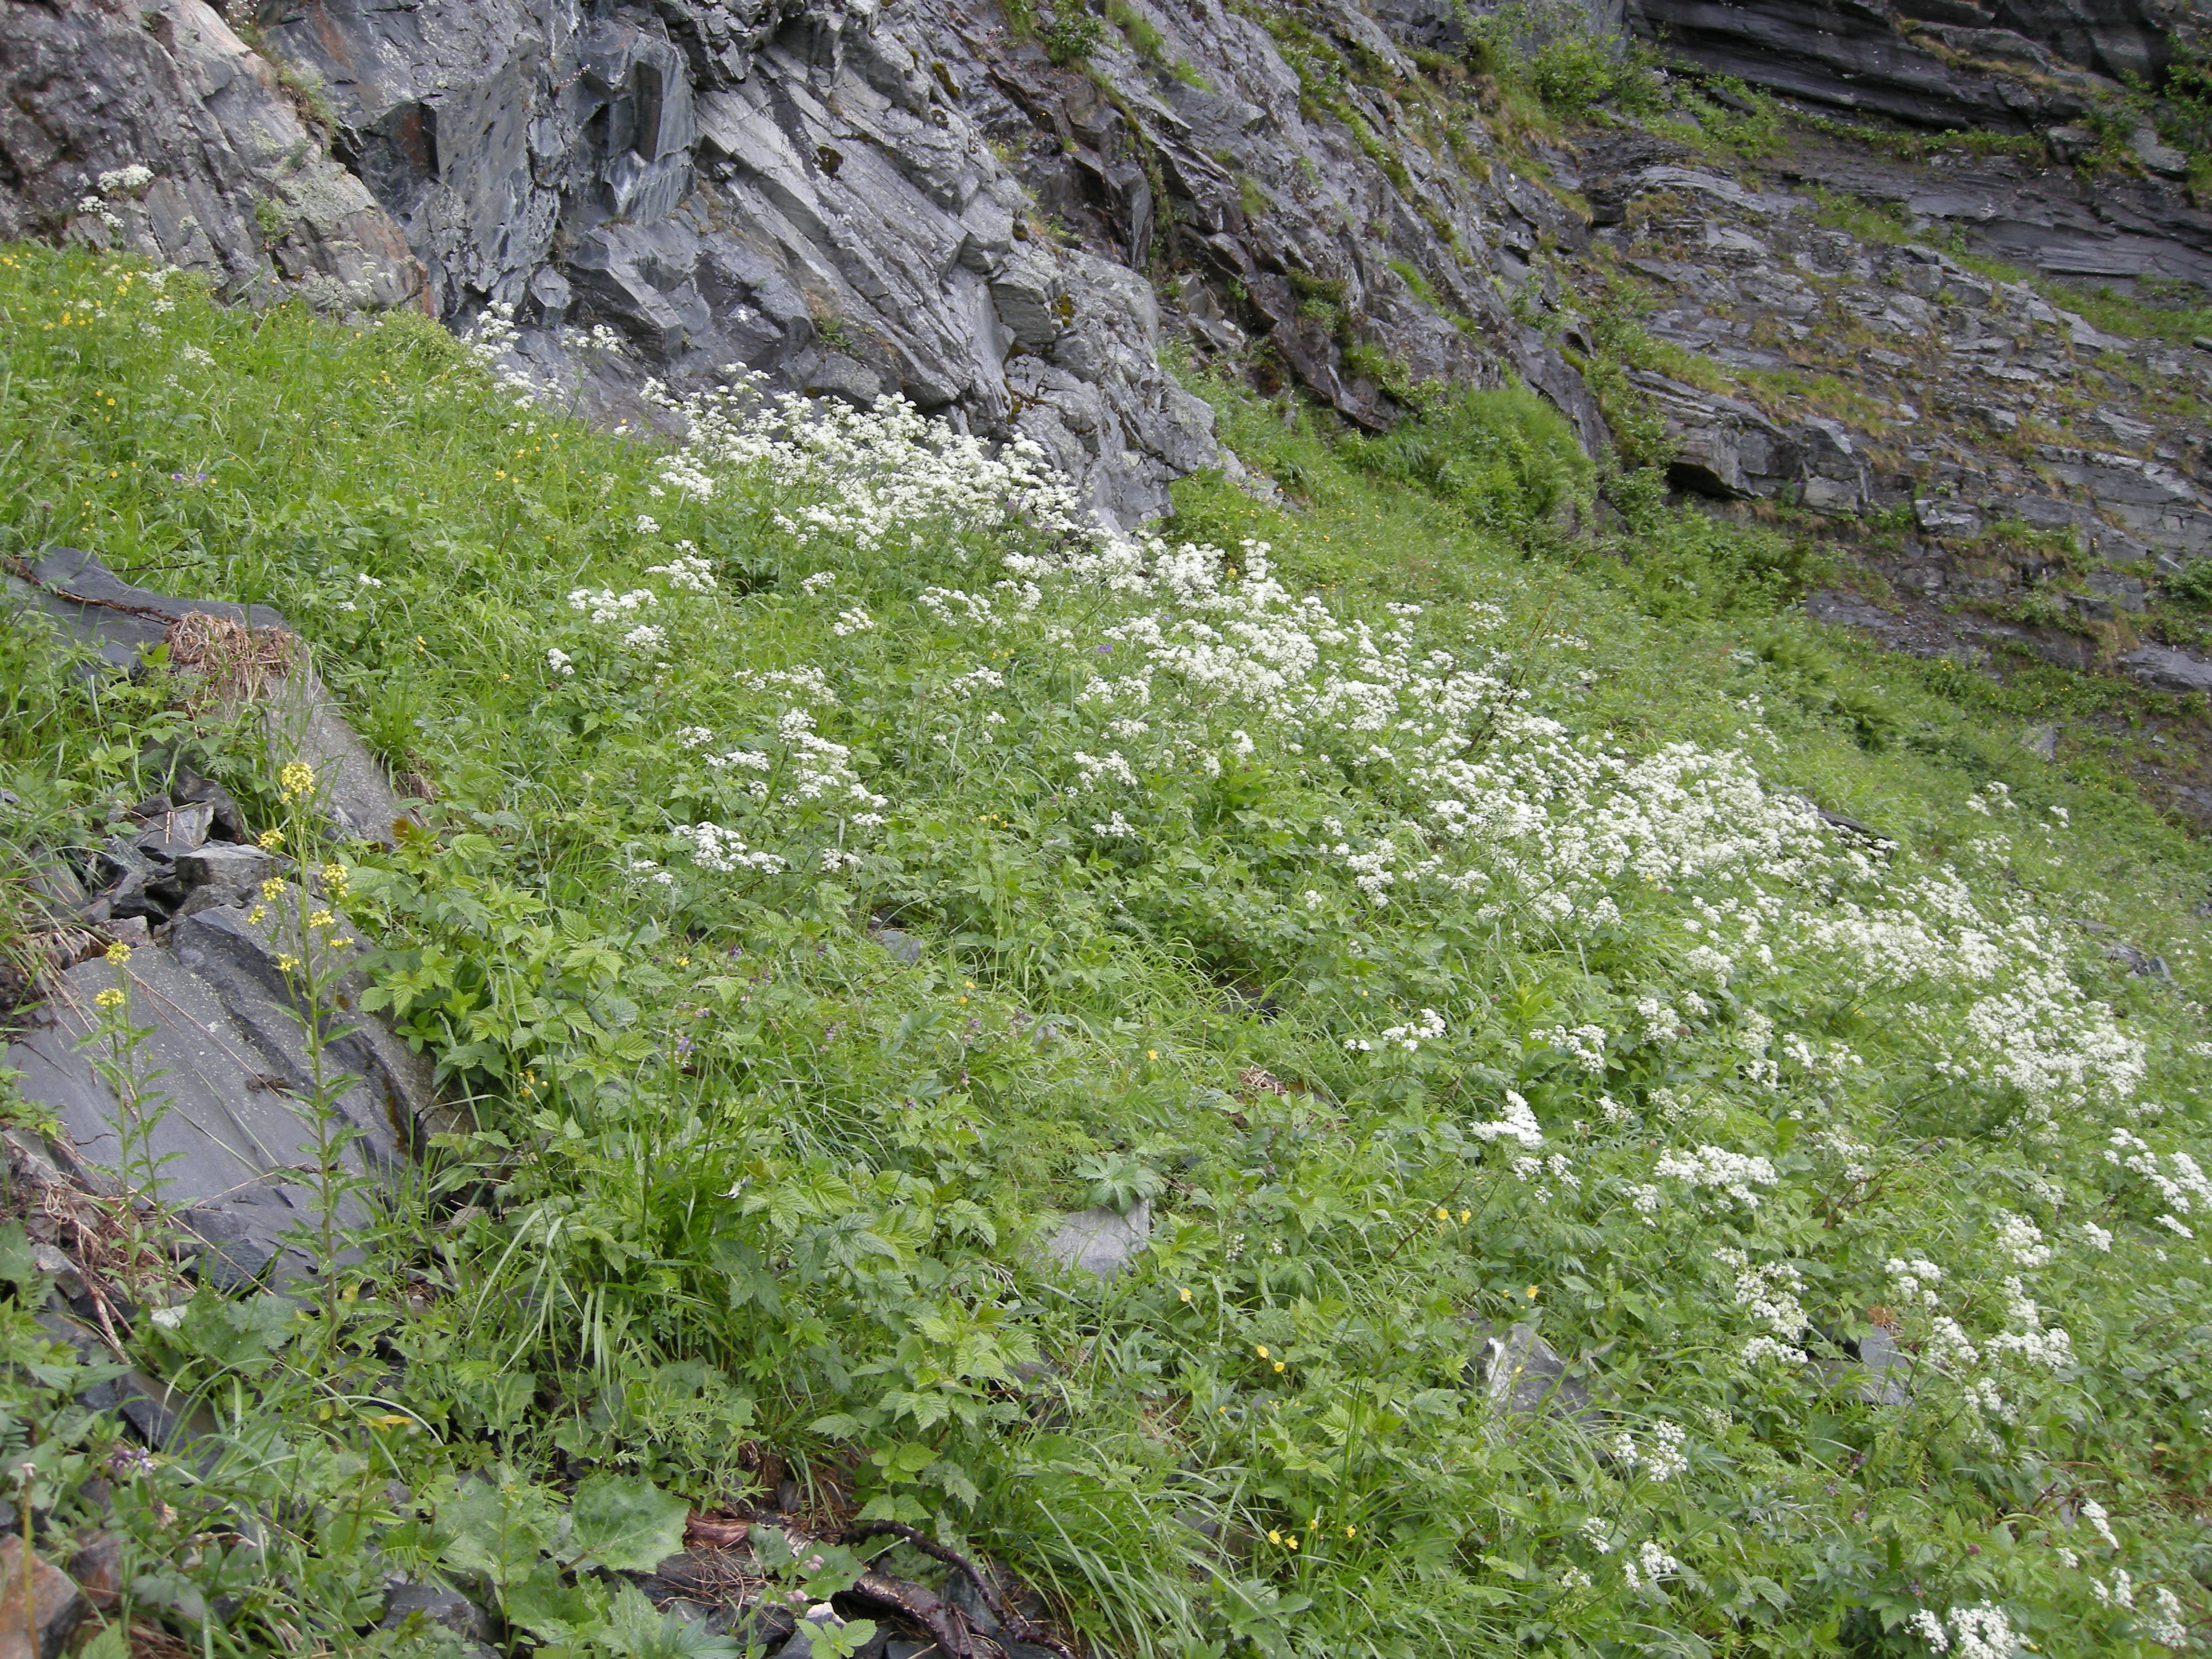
(1420, 904)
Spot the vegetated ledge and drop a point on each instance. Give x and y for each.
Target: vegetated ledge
(1644, 1061)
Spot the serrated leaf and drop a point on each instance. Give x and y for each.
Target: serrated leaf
(16, 1265)
(628, 1525)
(499, 1530)
(550, 1610)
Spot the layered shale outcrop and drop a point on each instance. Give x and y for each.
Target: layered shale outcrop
(1006, 216)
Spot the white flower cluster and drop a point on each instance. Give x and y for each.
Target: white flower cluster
(490, 341)
(1519, 1124)
(126, 180)
(687, 572)
(604, 606)
(2180, 1180)
(2048, 1346)
(1429, 1028)
(1768, 1293)
(1982, 1631)
(886, 475)
(1660, 1457)
(2022, 1240)
(1733, 1173)
(1912, 1284)
(1584, 1044)
(1647, 1566)
(723, 851)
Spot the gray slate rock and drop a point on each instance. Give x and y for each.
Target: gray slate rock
(1102, 1241)
(88, 87)
(1522, 1375)
(233, 1074)
(304, 723)
(439, 1607)
(2168, 670)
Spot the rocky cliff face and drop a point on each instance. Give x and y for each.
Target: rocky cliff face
(855, 202)
(2013, 65)
(918, 200)
(236, 184)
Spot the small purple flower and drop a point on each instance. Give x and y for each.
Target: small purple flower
(128, 1462)
(188, 477)
(1105, 650)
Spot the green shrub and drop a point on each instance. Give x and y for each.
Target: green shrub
(1551, 47)
(1507, 456)
(2191, 585)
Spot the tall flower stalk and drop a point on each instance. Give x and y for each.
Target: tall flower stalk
(113, 1048)
(312, 939)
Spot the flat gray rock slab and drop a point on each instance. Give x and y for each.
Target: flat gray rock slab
(1522, 1375)
(230, 1064)
(93, 603)
(1100, 1240)
(2169, 671)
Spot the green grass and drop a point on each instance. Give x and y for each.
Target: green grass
(744, 1183)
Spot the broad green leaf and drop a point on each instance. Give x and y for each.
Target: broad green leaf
(241, 1336)
(553, 1611)
(15, 1263)
(630, 1526)
(498, 1529)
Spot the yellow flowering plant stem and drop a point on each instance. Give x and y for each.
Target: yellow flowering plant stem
(310, 938)
(112, 1047)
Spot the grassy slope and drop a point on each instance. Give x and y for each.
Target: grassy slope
(747, 1184)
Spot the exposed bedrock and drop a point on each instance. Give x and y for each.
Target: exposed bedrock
(2011, 65)
(858, 202)
(236, 184)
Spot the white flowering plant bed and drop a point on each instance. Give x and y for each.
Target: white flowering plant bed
(847, 858)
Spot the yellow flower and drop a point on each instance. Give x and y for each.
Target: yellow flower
(297, 778)
(1184, 1293)
(1260, 1348)
(111, 998)
(322, 919)
(1292, 1543)
(285, 965)
(1463, 1216)
(343, 944)
(273, 889)
(255, 914)
(1532, 1292)
(119, 953)
(336, 876)
(1274, 1537)
(1151, 1053)
(1279, 1366)
(270, 841)
(1443, 1215)
(1350, 1531)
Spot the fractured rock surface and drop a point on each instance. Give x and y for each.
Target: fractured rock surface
(239, 187)
(221, 1102)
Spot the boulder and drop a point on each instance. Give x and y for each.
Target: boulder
(1521, 1375)
(123, 622)
(2168, 670)
(56, 1606)
(1102, 1241)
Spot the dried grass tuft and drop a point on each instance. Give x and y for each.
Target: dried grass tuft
(239, 662)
